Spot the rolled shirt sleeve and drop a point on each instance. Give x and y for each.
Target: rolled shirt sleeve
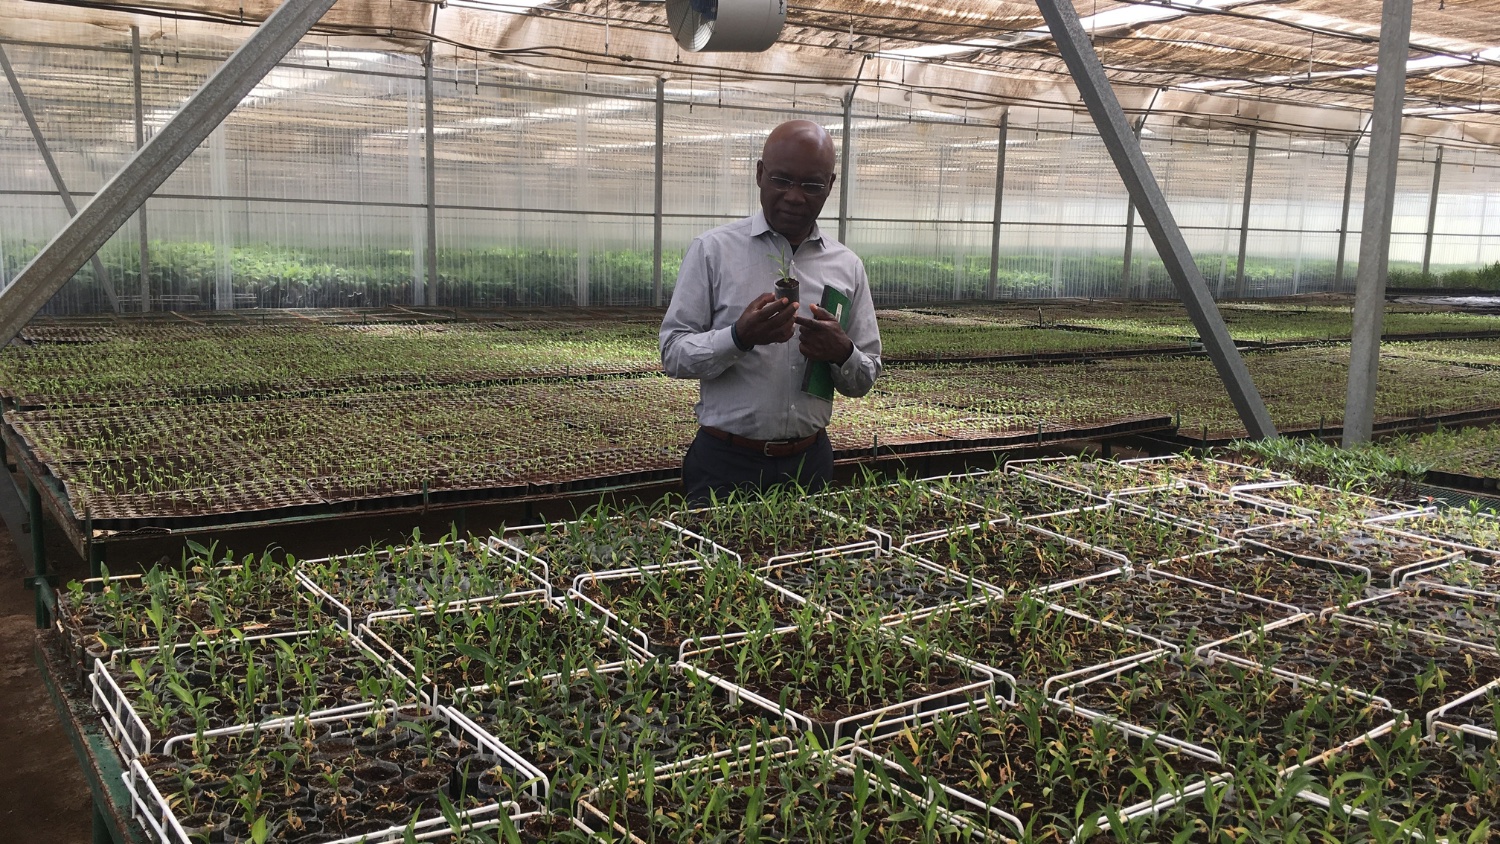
(856, 376)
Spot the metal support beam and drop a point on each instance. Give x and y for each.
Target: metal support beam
(420, 289)
(661, 115)
(1088, 74)
(154, 162)
(585, 244)
(847, 142)
(140, 141)
(1432, 203)
(1239, 264)
(1375, 233)
(100, 272)
(992, 289)
(1338, 268)
(1130, 215)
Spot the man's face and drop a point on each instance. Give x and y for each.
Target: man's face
(792, 210)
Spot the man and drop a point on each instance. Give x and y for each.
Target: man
(758, 427)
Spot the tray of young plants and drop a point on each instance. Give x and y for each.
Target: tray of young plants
(1015, 557)
(1415, 674)
(603, 540)
(1386, 556)
(1434, 611)
(387, 774)
(1024, 637)
(901, 512)
(492, 645)
(1275, 577)
(1234, 713)
(1406, 785)
(763, 528)
(1305, 499)
(426, 576)
(1097, 477)
(771, 791)
(1473, 530)
(148, 695)
(1013, 494)
(1476, 715)
(655, 609)
(1036, 773)
(1209, 473)
(864, 583)
(583, 729)
(1141, 538)
(832, 678)
(1464, 575)
(204, 595)
(1204, 510)
(1181, 613)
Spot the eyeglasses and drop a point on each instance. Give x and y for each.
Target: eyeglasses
(808, 188)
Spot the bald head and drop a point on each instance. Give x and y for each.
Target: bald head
(795, 176)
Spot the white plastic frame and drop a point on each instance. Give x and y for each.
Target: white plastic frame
(983, 592)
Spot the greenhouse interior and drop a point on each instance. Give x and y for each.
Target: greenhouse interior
(1112, 453)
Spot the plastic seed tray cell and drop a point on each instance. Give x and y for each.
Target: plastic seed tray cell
(1237, 713)
(1465, 575)
(761, 530)
(1322, 499)
(1184, 615)
(902, 512)
(1277, 578)
(1015, 557)
(1099, 477)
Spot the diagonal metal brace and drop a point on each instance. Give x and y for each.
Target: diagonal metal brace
(57, 179)
(1109, 118)
(123, 194)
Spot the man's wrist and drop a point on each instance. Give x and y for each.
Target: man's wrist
(848, 354)
(734, 334)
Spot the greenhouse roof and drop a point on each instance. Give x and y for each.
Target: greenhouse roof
(1298, 66)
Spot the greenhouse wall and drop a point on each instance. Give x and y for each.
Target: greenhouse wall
(314, 192)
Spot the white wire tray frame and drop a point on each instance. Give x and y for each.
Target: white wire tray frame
(639, 641)
(1037, 469)
(1395, 510)
(916, 547)
(1064, 697)
(694, 547)
(1143, 809)
(1132, 501)
(125, 726)
(1223, 543)
(1395, 597)
(844, 728)
(888, 541)
(156, 816)
(980, 591)
(1446, 717)
(1274, 478)
(777, 751)
(1412, 524)
(429, 692)
(1427, 579)
(1255, 539)
(522, 562)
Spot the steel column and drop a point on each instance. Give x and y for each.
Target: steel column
(1109, 118)
(992, 290)
(100, 272)
(581, 163)
(1239, 264)
(847, 142)
(661, 111)
(1375, 233)
(429, 121)
(1432, 202)
(1338, 269)
(140, 141)
(1130, 217)
(154, 162)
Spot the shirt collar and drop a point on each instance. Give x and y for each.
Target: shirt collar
(759, 226)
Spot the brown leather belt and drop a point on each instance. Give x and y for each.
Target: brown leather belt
(770, 448)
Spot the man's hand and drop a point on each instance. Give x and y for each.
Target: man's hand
(766, 320)
(823, 338)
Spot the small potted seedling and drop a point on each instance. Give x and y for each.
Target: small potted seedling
(787, 286)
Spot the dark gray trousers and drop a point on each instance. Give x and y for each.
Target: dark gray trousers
(714, 467)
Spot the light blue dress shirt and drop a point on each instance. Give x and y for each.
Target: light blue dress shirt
(758, 394)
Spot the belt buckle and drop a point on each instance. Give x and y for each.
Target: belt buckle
(765, 449)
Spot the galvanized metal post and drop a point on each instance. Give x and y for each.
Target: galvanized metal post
(218, 166)
(100, 272)
(429, 121)
(140, 141)
(114, 203)
(992, 289)
(1432, 203)
(1130, 220)
(1375, 234)
(656, 221)
(581, 161)
(1239, 264)
(1338, 270)
(847, 143)
(1114, 130)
